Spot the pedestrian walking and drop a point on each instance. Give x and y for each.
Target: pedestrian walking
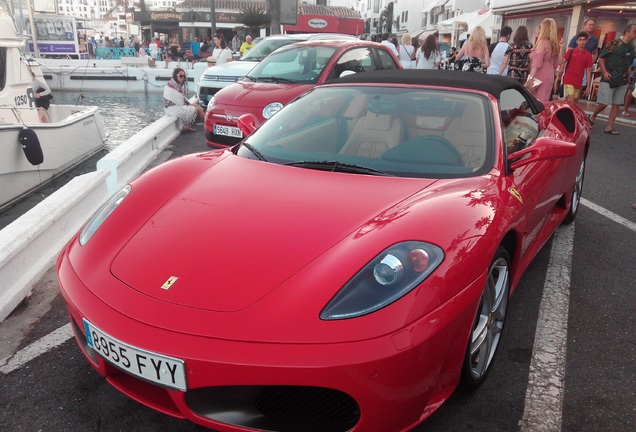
(473, 55)
(578, 64)
(591, 45)
(614, 62)
(500, 55)
(544, 60)
(519, 58)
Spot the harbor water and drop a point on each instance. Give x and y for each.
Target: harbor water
(123, 115)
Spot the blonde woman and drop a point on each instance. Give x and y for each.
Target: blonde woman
(544, 60)
(405, 51)
(474, 55)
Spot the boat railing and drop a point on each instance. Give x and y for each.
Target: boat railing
(20, 114)
(105, 53)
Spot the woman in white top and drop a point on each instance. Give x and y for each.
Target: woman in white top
(405, 52)
(222, 53)
(428, 56)
(42, 95)
(176, 104)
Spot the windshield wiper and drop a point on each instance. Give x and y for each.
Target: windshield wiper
(336, 166)
(254, 151)
(276, 80)
(247, 77)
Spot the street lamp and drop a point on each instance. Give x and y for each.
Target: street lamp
(212, 17)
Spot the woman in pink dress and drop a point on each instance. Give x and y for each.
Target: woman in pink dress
(545, 59)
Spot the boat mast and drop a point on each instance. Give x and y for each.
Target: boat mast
(36, 51)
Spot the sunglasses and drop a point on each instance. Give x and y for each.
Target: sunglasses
(181, 76)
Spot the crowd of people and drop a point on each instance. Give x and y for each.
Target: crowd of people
(546, 67)
(542, 67)
(217, 49)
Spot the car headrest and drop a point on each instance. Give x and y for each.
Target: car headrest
(381, 106)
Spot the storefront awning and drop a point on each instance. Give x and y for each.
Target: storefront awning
(438, 3)
(423, 33)
(326, 24)
(467, 21)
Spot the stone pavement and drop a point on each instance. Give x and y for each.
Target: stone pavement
(589, 108)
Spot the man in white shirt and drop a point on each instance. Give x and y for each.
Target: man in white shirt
(501, 50)
(387, 42)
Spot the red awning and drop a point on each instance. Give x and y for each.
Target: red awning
(314, 24)
(352, 26)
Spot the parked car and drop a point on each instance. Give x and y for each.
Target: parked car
(285, 74)
(216, 77)
(343, 268)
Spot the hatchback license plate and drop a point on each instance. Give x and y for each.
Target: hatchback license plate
(228, 131)
(157, 368)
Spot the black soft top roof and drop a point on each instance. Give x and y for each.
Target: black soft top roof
(492, 84)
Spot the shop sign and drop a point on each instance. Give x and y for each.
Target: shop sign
(317, 23)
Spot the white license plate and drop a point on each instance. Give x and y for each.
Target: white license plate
(228, 131)
(157, 368)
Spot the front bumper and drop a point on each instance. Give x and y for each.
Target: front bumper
(389, 383)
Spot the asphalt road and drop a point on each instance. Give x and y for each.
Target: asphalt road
(59, 391)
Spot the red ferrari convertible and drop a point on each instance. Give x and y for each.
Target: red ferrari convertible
(344, 268)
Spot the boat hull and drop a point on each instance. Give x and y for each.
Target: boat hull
(74, 134)
(113, 75)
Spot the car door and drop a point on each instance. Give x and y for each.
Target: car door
(537, 184)
(361, 59)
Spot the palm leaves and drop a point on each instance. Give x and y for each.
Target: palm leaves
(253, 18)
(386, 18)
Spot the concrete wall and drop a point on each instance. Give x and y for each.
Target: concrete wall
(31, 243)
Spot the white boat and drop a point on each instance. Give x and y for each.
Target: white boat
(33, 153)
(128, 74)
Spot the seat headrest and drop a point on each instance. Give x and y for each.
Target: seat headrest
(381, 106)
(378, 122)
(473, 119)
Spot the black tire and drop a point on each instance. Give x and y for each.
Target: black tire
(489, 321)
(575, 202)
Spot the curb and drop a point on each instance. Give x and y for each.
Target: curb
(34, 240)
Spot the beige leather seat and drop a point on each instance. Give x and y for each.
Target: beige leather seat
(468, 134)
(376, 132)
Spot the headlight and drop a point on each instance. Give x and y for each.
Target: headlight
(210, 104)
(388, 277)
(102, 214)
(272, 109)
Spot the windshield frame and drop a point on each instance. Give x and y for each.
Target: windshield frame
(304, 68)
(285, 139)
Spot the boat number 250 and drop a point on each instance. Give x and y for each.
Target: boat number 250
(21, 100)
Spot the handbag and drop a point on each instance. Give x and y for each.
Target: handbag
(532, 84)
(617, 79)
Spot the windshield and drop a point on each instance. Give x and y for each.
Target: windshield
(293, 65)
(265, 48)
(374, 130)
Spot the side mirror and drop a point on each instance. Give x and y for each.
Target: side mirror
(247, 123)
(542, 149)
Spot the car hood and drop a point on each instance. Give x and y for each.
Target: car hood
(259, 94)
(233, 68)
(244, 227)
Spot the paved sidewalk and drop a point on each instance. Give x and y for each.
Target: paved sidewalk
(589, 108)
